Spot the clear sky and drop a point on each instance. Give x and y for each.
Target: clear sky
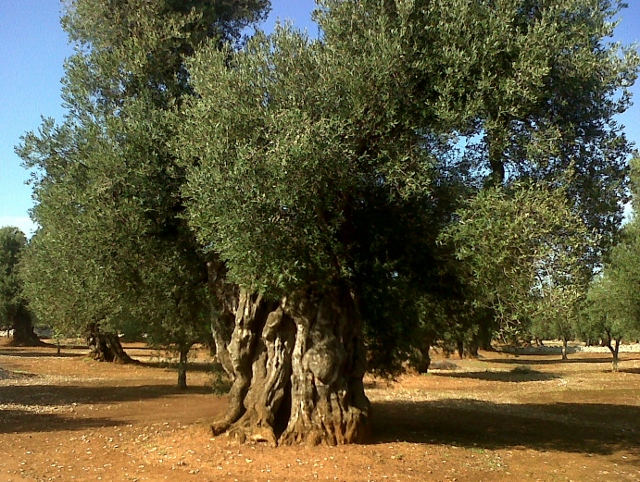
(32, 52)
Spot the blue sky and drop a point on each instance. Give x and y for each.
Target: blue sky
(32, 51)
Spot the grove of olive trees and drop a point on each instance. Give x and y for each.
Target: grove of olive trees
(326, 206)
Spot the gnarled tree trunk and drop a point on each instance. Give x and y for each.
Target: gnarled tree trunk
(106, 347)
(221, 329)
(23, 334)
(297, 370)
(223, 312)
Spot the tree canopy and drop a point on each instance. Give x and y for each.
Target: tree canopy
(524, 255)
(112, 249)
(15, 313)
(612, 310)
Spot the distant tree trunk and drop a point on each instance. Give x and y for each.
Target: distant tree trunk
(486, 344)
(182, 365)
(106, 347)
(472, 346)
(423, 359)
(460, 348)
(297, 366)
(484, 337)
(23, 333)
(564, 348)
(615, 350)
(495, 138)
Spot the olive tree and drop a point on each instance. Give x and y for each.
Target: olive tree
(524, 252)
(113, 253)
(610, 314)
(612, 308)
(15, 313)
(296, 150)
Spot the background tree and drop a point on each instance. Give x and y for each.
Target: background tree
(523, 253)
(112, 252)
(546, 112)
(14, 309)
(608, 316)
(558, 316)
(612, 310)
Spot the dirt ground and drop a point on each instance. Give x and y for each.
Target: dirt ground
(64, 417)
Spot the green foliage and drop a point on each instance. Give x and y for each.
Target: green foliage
(522, 251)
(112, 247)
(13, 304)
(305, 158)
(283, 151)
(448, 173)
(612, 310)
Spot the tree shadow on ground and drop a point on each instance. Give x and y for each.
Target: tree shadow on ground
(516, 375)
(24, 421)
(569, 427)
(50, 352)
(52, 395)
(525, 360)
(191, 366)
(15, 375)
(136, 345)
(48, 398)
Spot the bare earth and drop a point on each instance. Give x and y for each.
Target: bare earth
(64, 417)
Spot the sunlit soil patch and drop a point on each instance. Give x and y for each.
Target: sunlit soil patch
(497, 418)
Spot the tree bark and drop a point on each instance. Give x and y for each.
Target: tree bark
(106, 347)
(223, 313)
(472, 347)
(23, 333)
(460, 348)
(221, 330)
(615, 350)
(297, 366)
(182, 365)
(423, 361)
